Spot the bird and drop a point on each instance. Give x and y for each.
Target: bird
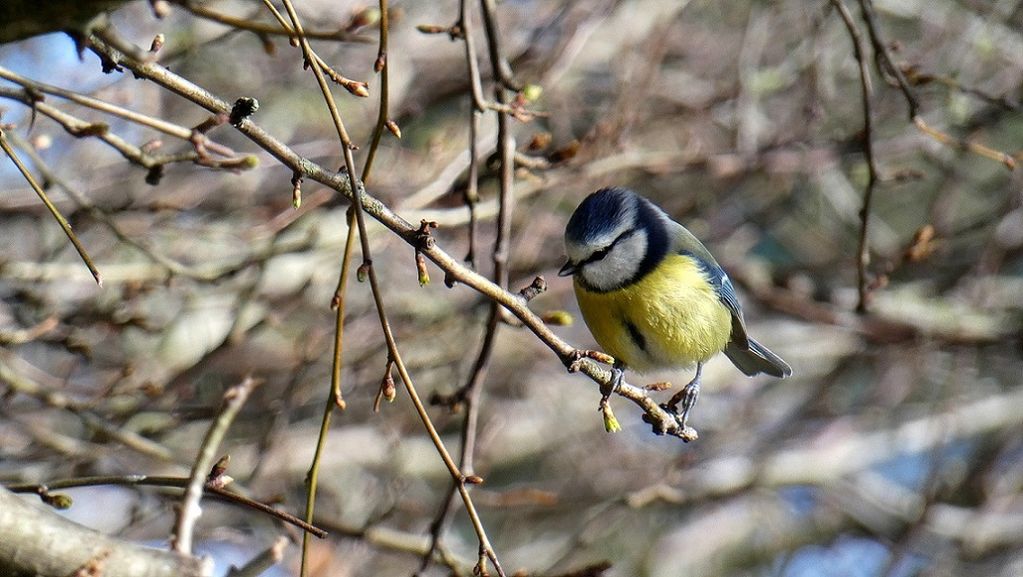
(653, 296)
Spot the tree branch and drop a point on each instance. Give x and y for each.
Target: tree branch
(38, 542)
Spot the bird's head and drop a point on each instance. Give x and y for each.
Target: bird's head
(614, 238)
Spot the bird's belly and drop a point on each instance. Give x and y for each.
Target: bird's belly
(670, 318)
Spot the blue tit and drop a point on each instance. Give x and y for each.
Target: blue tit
(652, 294)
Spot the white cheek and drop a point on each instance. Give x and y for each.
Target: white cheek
(619, 266)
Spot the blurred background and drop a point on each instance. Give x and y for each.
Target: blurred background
(894, 450)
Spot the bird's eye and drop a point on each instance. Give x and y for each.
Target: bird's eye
(600, 254)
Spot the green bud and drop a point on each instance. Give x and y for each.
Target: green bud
(532, 92)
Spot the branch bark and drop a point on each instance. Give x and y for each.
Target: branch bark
(37, 542)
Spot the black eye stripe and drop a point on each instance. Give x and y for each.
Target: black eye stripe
(600, 254)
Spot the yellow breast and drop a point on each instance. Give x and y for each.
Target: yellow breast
(670, 318)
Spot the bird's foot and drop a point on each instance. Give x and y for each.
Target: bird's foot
(613, 384)
(687, 398)
(690, 393)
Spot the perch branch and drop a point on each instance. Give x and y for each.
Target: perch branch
(662, 421)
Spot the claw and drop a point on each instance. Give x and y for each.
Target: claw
(690, 394)
(611, 387)
(687, 397)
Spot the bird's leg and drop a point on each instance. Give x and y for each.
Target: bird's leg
(611, 424)
(690, 393)
(687, 396)
(612, 386)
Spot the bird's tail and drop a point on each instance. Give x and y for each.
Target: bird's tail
(757, 359)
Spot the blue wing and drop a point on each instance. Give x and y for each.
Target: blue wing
(722, 285)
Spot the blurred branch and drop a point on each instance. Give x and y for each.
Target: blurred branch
(403, 542)
(29, 334)
(335, 399)
(40, 543)
(262, 28)
(838, 462)
(883, 56)
(189, 510)
(158, 124)
(50, 206)
(469, 394)
(824, 460)
(882, 325)
(58, 400)
(209, 489)
(367, 265)
(154, 163)
(859, 49)
(164, 268)
(273, 555)
(210, 272)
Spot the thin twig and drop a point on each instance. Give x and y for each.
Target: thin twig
(395, 356)
(963, 144)
(472, 390)
(189, 510)
(662, 421)
(884, 58)
(321, 67)
(160, 481)
(172, 267)
(463, 29)
(863, 252)
(56, 399)
(469, 394)
(260, 28)
(335, 400)
(499, 64)
(383, 68)
(158, 124)
(260, 563)
(51, 207)
(154, 163)
(465, 25)
(472, 195)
